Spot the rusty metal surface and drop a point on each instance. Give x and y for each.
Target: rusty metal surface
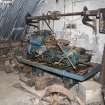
(54, 16)
(61, 72)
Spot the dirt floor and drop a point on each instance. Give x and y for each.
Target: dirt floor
(12, 93)
(9, 94)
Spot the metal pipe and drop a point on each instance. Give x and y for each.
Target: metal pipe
(51, 16)
(60, 72)
(44, 17)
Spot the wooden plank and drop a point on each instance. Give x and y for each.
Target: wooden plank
(102, 77)
(10, 44)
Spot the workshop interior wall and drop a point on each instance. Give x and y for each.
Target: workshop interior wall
(12, 21)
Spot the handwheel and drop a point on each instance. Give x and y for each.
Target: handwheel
(57, 95)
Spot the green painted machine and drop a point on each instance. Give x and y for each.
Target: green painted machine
(42, 47)
(54, 56)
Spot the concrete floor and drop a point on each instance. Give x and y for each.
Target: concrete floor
(9, 94)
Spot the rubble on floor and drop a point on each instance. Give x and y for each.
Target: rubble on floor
(53, 93)
(43, 89)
